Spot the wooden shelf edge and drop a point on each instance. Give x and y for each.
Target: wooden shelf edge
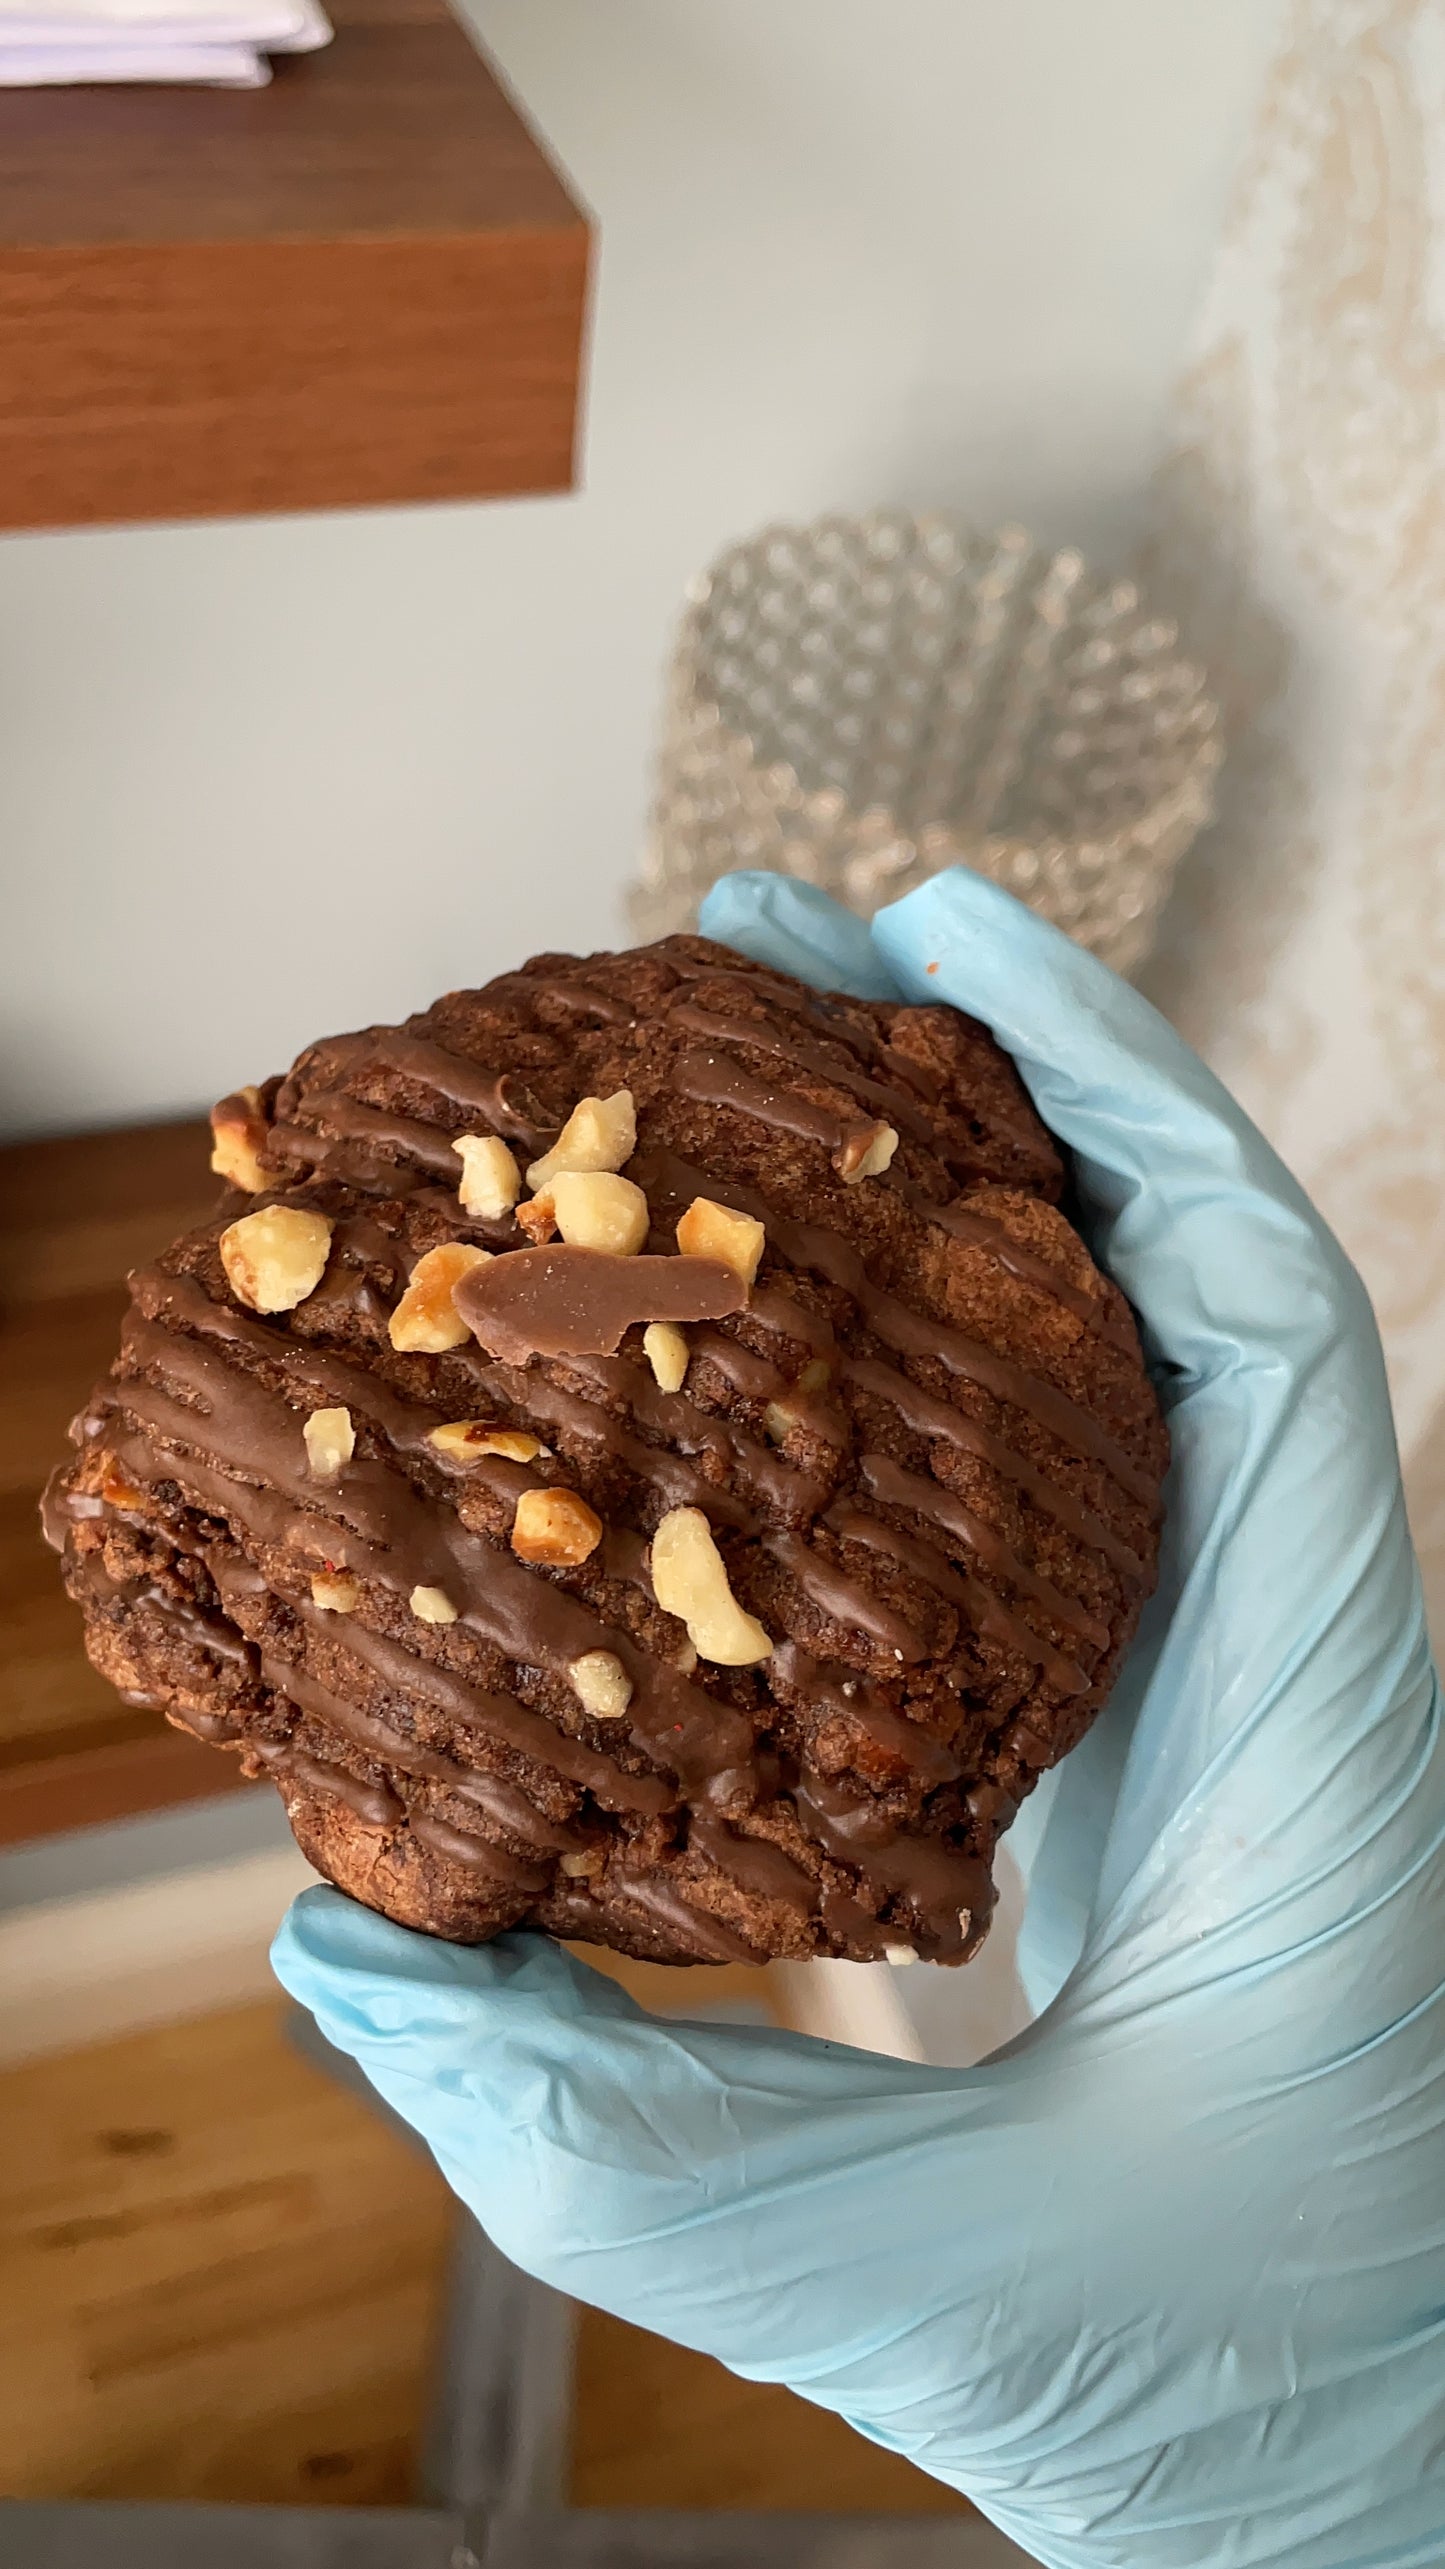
(365, 286)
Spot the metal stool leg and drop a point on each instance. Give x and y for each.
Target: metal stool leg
(501, 2409)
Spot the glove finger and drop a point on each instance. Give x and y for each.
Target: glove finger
(795, 928)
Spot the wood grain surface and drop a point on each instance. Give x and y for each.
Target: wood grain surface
(221, 2278)
(75, 1215)
(363, 284)
(220, 2273)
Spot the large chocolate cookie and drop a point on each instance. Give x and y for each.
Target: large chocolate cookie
(714, 1573)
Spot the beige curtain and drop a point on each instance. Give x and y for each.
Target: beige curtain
(1301, 541)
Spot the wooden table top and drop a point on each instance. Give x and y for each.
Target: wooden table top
(223, 2275)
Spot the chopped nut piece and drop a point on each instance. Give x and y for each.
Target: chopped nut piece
(333, 1591)
(240, 1132)
(538, 1218)
(432, 1605)
(584, 1868)
(778, 1423)
(274, 1258)
(899, 1954)
(118, 1492)
(491, 1180)
(667, 1351)
(865, 1153)
(556, 1527)
(603, 1686)
(600, 1133)
(463, 1439)
(425, 1320)
(689, 1579)
(709, 1230)
(460, 1440)
(330, 1442)
(598, 1211)
(685, 1659)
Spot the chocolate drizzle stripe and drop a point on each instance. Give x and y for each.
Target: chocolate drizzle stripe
(681, 1423)
(907, 1331)
(843, 1695)
(777, 1309)
(494, 1721)
(1010, 1121)
(344, 1119)
(407, 1426)
(220, 1730)
(677, 1480)
(462, 1082)
(624, 1555)
(375, 1805)
(202, 1631)
(756, 983)
(710, 1082)
(575, 998)
(501, 1719)
(981, 1231)
(713, 1940)
(985, 1612)
(942, 1881)
(836, 1595)
(929, 1416)
(884, 1099)
(889, 1483)
(754, 1863)
(160, 1298)
(753, 1377)
(502, 1802)
(392, 1534)
(358, 1241)
(848, 1921)
(749, 980)
(479, 1855)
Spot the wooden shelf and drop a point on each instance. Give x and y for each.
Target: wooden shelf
(74, 1217)
(365, 284)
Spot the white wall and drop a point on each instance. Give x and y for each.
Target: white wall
(261, 780)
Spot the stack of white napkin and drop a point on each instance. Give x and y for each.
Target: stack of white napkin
(222, 43)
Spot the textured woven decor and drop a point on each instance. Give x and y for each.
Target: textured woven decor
(1301, 538)
(862, 701)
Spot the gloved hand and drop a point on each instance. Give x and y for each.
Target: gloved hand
(1164, 2281)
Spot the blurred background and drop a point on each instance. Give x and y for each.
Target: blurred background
(942, 256)
(1160, 284)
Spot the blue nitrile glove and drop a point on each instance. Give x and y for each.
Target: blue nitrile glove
(1164, 2282)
